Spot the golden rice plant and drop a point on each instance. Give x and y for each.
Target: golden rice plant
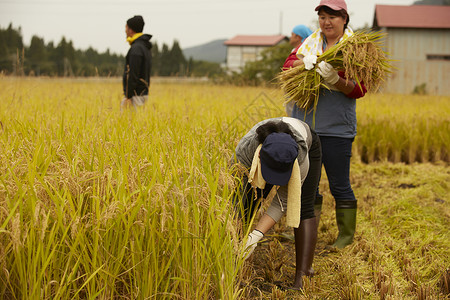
(99, 204)
(360, 56)
(403, 128)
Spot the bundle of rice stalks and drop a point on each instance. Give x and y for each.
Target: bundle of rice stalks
(360, 56)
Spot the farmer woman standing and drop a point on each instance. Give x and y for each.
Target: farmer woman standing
(335, 116)
(283, 157)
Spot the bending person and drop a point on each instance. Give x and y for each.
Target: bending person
(284, 159)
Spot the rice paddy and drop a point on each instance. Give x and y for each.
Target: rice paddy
(99, 204)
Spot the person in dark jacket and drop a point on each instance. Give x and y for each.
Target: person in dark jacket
(138, 64)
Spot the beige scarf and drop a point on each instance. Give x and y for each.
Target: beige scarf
(294, 188)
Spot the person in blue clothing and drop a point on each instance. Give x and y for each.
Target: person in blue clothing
(298, 35)
(138, 64)
(335, 116)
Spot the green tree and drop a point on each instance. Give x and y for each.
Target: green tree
(156, 59)
(198, 68)
(52, 59)
(65, 55)
(164, 69)
(36, 54)
(13, 38)
(264, 70)
(4, 61)
(62, 60)
(177, 62)
(190, 66)
(11, 45)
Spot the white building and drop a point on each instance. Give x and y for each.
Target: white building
(245, 48)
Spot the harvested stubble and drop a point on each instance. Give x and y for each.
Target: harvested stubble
(361, 58)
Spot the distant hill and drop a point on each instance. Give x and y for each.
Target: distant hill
(214, 51)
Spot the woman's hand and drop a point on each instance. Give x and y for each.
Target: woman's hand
(297, 63)
(309, 61)
(331, 76)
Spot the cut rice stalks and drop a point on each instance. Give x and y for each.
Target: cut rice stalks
(360, 56)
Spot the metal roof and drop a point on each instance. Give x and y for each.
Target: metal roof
(255, 40)
(414, 16)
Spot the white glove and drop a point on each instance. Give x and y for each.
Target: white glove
(253, 238)
(329, 74)
(309, 61)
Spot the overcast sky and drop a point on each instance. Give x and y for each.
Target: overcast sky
(101, 23)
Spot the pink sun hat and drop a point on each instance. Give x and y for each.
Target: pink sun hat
(333, 4)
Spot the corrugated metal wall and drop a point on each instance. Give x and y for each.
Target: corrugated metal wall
(411, 48)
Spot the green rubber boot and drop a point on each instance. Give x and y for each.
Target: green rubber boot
(346, 222)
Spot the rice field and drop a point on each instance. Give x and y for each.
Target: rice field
(403, 128)
(99, 204)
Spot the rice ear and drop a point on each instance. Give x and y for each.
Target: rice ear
(360, 56)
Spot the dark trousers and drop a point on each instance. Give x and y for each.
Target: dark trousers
(247, 202)
(311, 183)
(336, 154)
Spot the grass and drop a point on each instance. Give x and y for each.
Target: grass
(95, 203)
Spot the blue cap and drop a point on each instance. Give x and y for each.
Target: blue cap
(277, 156)
(303, 31)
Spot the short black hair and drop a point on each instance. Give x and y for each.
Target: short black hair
(270, 127)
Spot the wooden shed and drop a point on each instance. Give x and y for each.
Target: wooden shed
(245, 48)
(418, 39)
